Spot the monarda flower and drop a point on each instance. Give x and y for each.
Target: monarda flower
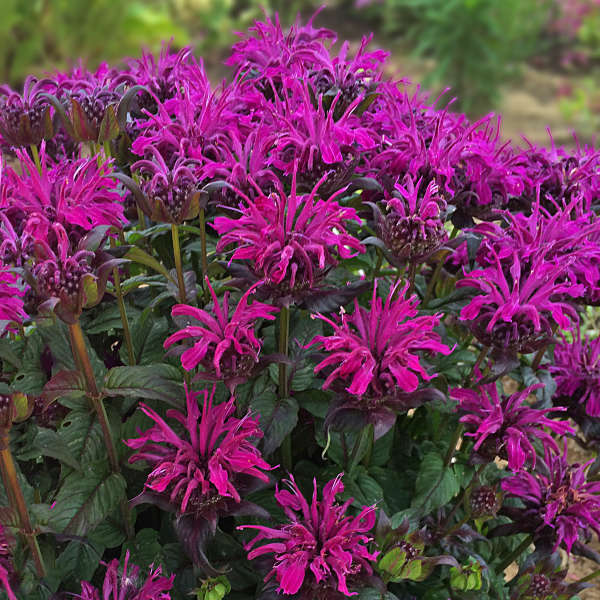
(65, 279)
(505, 426)
(11, 298)
(412, 227)
(290, 241)
(517, 311)
(560, 504)
(576, 371)
(322, 550)
(205, 470)
(128, 584)
(225, 346)
(374, 353)
(172, 194)
(26, 120)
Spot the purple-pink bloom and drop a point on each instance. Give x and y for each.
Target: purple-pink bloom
(376, 349)
(505, 426)
(11, 297)
(516, 310)
(225, 346)
(290, 240)
(576, 371)
(8, 576)
(559, 502)
(128, 584)
(210, 461)
(321, 548)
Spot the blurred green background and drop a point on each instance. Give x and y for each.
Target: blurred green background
(536, 61)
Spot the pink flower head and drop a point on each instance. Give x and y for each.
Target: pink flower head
(172, 193)
(78, 194)
(225, 346)
(376, 349)
(11, 297)
(559, 501)
(291, 241)
(26, 119)
(515, 311)
(576, 371)
(413, 227)
(321, 547)
(128, 584)
(211, 461)
(506, 426)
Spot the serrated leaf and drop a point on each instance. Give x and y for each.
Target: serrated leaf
(436, 483)
(145, 549)
(148, 334)
(8, 354)
(141, 257)
(79, 559)
(110, 318)
(85, 500)
(156, 382)
(278, 417)
(48, 442)
(65, 384)
(83, 436)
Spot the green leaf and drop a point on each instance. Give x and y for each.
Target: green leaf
(7, 352)
(140, 256)
(152, 382)
(436, 484)
(79, 559)
(148, 334)
(110, 318)
(278, 417)
(48, 442)
(145, 549)
(83, 436)
(65, 384)
(85, 500)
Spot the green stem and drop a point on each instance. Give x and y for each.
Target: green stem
(371, 442)
(83, 358)
(14, 492)
(412, 273)
(512, 556)
(121, 303)
(377, 271)
(203, 257)
(589, 577)
(284, 335)
(36, 158)
(434, 278)
(178, 266)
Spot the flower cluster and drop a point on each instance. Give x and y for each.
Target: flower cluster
(321, 548)
(211, 462)
(128, 584)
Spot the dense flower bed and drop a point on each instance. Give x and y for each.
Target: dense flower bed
(308, 333)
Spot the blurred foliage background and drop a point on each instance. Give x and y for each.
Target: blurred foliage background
(537, 58)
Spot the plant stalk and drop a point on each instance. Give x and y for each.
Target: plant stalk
(178, 265)
(36, 158)
(284, 335)
(124, 319)
(15, 494)
(515, 553)
(80, 350)
(203, 256)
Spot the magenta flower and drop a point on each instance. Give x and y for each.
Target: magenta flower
(576, 371)
(516, 311)
(322, 549)
(226, 347)
(205, 470)
(505, 426)
(26, 119)
(559, 502)
(11, 298)
(79, 194)
(172, 194)
(375, 350)
(290, 241)
(412, 228)
(128, 584)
